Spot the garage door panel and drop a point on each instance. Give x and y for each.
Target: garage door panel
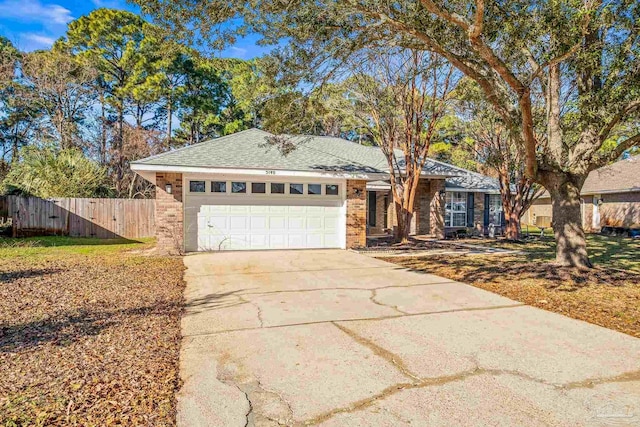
(296, 223)
(258, 222)
(315, 240)
(296, 241)
(278, 209)
(237, 222)
(315, 223)
(277, 223)
(239, 210)
(277, 241)
(217, 222)
(259, 241)
(331, 241)
(331, 224)
(259, 209)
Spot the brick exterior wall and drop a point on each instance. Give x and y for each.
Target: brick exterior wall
(436, 208)
(356, 213)
(428, 215)
(169, 214)
(422, 206)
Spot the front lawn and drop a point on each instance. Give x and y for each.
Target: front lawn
(608, 295)
(604, 251)
(89, 332)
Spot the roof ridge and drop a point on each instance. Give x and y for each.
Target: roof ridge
(331, 154)
(199, 144)
(459, 168)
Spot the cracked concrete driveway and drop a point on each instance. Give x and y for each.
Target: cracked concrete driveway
(334, 338)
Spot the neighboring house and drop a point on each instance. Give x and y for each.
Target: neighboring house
(236, 192)
(610, 197)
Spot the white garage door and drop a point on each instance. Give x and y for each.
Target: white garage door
(236, 227)
(263, 221)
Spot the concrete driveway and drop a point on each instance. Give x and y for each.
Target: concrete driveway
(334, 338)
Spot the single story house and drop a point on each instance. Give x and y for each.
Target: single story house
(610, 197)
(236, 192)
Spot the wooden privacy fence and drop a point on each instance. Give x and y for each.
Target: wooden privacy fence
(101, 218)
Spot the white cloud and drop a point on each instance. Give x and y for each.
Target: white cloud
(238, 51)
(35, 11)
(111, 4)
(37, 40)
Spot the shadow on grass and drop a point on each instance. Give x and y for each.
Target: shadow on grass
(12, 276)
(478, 269)
(63, 330)
(66, 329)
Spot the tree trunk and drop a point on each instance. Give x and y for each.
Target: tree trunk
(403, 229)
(571, 244)
(169, 123)
(103, 131)
(512, 223)
(120, 150)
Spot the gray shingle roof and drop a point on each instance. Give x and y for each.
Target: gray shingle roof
(248, 150)
(623, 175)
(468, 180)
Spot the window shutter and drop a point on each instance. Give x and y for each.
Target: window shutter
(470, 209)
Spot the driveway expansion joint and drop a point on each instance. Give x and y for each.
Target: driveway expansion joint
(346, 288)
(251, 273)
(362, 319)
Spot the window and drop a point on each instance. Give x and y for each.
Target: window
(296, 189)
(258, 187)
(331, 190)
(495, 209)
(314, 189)
(277, 188)
(238, 187)
(218, 187)
(455, 209)
(197, 186)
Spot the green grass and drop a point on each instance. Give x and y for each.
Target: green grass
(604, 251)
(32, 247)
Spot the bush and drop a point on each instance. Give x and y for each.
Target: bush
(48, 173)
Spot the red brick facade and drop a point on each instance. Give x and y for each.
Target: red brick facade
(356, 213)
(169, 213)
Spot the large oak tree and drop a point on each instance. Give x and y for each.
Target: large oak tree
(582, 54)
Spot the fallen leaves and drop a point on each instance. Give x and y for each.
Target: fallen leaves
(603, 296)
(89, 340)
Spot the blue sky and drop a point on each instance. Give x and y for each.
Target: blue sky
(36, 24)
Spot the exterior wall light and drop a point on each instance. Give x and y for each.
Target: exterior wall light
(168, 188)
